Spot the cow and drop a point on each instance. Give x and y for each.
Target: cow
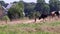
(58, 14)
(53, 14)
(43, 16)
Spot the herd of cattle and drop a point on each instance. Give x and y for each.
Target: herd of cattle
(52, 14)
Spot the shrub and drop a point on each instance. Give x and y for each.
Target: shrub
(5, 18)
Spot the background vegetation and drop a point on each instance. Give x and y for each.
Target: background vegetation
(23, 9)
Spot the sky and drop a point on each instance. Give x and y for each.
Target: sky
(8, 1)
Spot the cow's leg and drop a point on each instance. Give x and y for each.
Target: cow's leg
(43, 20)
(35, 20)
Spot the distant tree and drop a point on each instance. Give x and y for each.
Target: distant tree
(2, 3)
(40, 5)
(28, 9)
(15, 2)
(58, 5)
(46, 9)
(53, 5)
(20, 8)
(16, 11)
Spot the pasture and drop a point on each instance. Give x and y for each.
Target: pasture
(52, 27)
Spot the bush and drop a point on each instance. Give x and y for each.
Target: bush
(5, 18)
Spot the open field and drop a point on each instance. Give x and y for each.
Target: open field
(31, 28)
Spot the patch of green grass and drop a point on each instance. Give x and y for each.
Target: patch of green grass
(3, 32)
(33, 25)
(15, 29)
(24, 32)
(54, 24)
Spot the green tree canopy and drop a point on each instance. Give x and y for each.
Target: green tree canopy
(53, 5)
(16, 11)
(42, 7)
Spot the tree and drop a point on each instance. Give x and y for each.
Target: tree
(16, 11)
(2, 3)
(20, 8)
(46, 9)
(0, 6)
(40, 5)
(53, 5)
(40, 1)
(58, 6)
(29, 9)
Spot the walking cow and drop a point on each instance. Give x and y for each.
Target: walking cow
(43, 16)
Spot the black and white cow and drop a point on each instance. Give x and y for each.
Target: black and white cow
(43, 16)
(58, 14)
(53, 14)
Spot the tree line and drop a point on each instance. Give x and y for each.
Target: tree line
(23, 9)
